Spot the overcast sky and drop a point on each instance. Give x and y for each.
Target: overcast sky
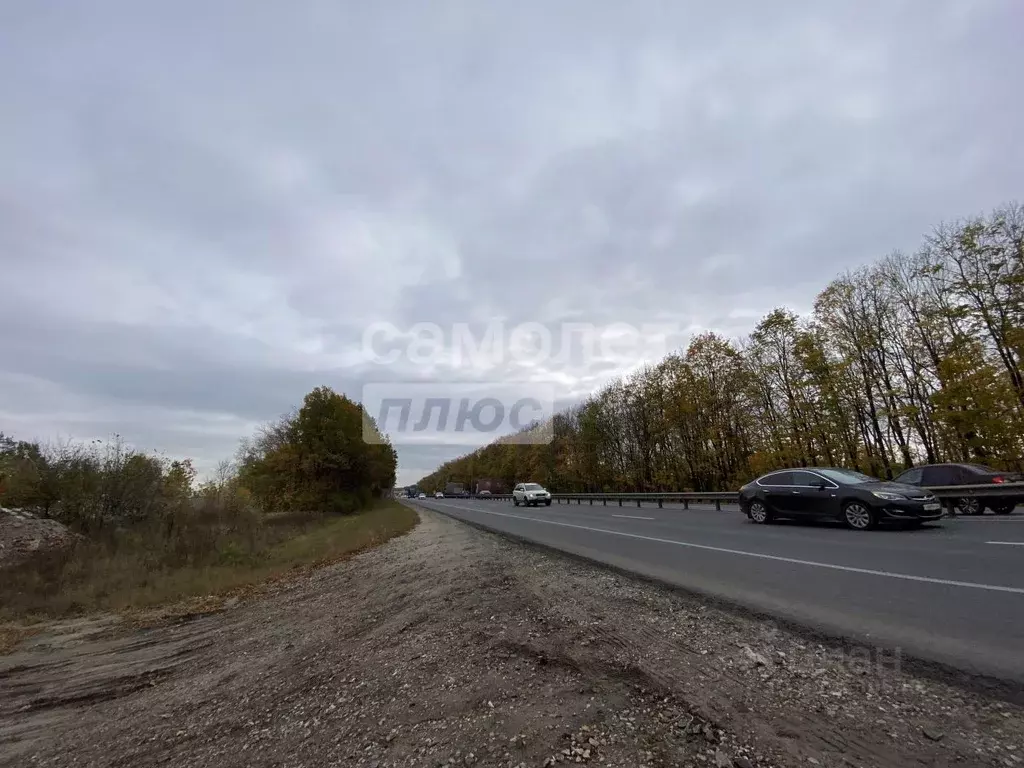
(204, 204)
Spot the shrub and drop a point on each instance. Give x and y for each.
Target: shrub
(143, 517)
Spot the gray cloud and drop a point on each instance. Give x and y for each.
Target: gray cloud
(202, 207)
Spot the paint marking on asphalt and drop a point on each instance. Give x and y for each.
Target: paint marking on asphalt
(634, 517)
(1000, 519)
(1007, 543)
(759, 555)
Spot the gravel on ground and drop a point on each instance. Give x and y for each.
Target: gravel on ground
(451, 646)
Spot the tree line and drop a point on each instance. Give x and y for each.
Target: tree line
(325, 457)
(914, 359)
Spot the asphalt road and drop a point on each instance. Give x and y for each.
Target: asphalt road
(951, 592)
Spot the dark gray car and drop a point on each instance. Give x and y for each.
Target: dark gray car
(833, 493)
(937, 475)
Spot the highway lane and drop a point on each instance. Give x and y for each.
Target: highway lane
(626, 505)
(952, 592)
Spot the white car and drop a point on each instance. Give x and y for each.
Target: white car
(530, 495)
(422, 495)
(439, 495)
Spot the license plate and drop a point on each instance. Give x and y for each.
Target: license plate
(932, 507)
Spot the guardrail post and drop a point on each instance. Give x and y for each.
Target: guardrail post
(718, 505)
(638, 503)
(591, 502)
(620, 502)
(578, 501)
(661, 504)
(604, 502)
(686, 503)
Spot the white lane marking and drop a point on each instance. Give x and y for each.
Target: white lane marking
(999, 519)
(634, 517)
(1008, 543)
(759, 555)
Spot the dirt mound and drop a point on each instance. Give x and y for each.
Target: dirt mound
(22, 534)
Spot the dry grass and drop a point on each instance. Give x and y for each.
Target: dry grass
(11, 636)
(125, 575)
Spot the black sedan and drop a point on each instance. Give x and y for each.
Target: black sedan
(936, 475)
(860, 501)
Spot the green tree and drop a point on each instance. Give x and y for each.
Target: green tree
(328, 456)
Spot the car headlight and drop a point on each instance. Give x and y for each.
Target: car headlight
(889, 496)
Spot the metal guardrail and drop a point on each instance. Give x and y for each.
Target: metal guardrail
(715, 497)
(988, 490)
(948, 494)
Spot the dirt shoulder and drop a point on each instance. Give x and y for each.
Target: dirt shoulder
(452, 646)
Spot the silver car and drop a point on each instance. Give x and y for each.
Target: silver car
(530, 495)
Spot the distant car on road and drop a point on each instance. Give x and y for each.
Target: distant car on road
(935, 475)
(530, 495)
(832, 493)
(439, 495)
(422, 495)
(484, 492)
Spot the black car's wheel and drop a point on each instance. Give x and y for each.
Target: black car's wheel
(1003, 509)
(759, 512)
(970, 505)
(859, 516)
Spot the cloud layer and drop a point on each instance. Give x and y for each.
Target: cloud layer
(202, 207)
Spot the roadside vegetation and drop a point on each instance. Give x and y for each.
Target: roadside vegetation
(918, 358)
(305, 490)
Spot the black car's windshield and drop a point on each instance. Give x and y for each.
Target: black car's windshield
(532, 487)
(846, 476)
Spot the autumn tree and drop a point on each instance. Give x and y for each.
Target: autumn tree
(327, 456)
(916, 358)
